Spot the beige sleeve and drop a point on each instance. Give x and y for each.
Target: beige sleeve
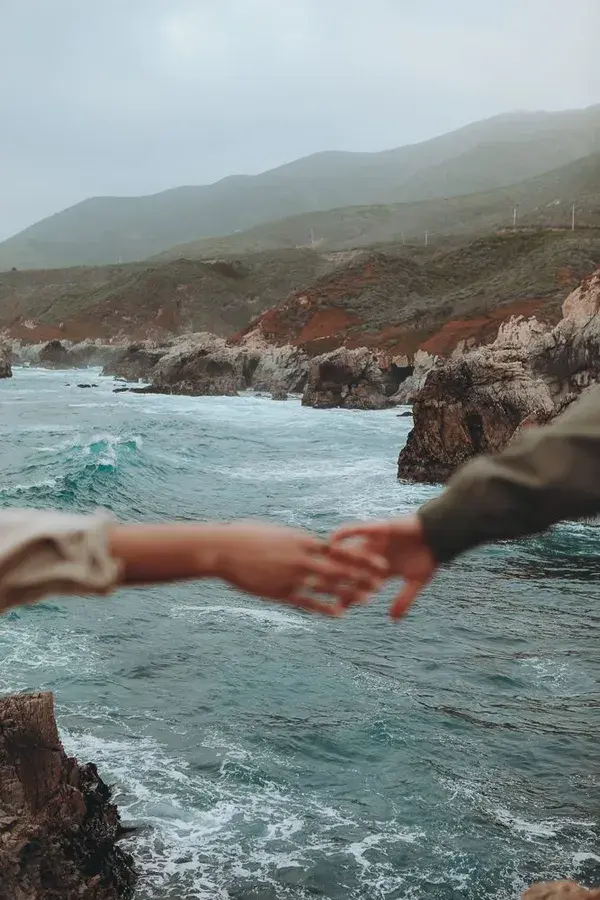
(44, 552)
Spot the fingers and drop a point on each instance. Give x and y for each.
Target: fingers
(404, 600)
(359, 530)
(364, 569)
(359, 557)
(313, 605)
(345, 587)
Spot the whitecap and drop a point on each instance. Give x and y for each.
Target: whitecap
(272, 618)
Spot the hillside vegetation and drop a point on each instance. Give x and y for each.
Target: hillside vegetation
(398, 301)
(544, 201)
(478, 158)
(141, 300)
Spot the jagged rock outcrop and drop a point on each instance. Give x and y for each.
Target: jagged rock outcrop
(54, 355)
(58, 828)
(5, 361)
(276, 369)
(91, 353)
(352, 379)
(136, 361)
(423, 362)
(64, 354)
(476, 402)
(203, 364)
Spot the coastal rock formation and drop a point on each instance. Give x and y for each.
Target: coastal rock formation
(136, 361)
(58, 828)
(54, 355)
(276, 369)
(91, 353)
(5, 361)
(423, 362)
(203, 364)
(64, 354)
(476, 402)
(352, 379)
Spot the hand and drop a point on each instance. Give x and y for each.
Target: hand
(291, 565)
(402, 544)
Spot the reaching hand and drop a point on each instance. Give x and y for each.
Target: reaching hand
(291, 566)
(401, 542)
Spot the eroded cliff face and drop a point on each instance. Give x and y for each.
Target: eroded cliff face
(5, 361)
(474, 403)
(58, 828)
(352, 379)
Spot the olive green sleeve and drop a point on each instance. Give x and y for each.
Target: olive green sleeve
(548, 474)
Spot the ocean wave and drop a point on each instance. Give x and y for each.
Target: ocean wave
(204, 838)
(27, 650)
(76, 469)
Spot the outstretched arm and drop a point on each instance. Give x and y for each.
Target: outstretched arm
(45, 553)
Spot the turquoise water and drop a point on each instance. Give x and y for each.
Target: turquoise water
(267, 754)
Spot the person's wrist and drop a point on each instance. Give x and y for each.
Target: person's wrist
(214, 557)
(424, 538)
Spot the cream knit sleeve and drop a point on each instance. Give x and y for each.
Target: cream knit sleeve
(44, 552)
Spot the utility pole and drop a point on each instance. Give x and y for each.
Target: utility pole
(312, 238)
(573, 217)
(426, 238)
(403, 239)
(515, 217)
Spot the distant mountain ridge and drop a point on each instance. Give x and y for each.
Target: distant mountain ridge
(479, 157)
(541, 202)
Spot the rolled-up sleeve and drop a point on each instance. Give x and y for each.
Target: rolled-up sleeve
(44, 553)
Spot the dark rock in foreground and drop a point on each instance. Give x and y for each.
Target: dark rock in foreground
(476, 403)
(58, 828)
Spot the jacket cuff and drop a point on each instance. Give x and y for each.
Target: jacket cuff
(44, 552)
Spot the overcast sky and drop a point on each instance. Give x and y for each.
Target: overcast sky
(134, 96)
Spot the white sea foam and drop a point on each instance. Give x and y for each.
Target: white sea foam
(270, 618)
(205, 834)
(32, 486)
(26, 649)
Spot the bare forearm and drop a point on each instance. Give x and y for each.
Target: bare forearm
(157, 553)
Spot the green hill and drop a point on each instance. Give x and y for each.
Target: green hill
(544, 201)
(141, 299)
(477, 158)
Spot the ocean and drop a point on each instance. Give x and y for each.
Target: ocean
(267, 754)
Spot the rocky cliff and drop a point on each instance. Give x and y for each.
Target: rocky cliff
(5, 361)
(58, 828)
(353, 379)
(475, 402)
(204, 364)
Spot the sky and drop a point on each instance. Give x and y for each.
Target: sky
(129, 97)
